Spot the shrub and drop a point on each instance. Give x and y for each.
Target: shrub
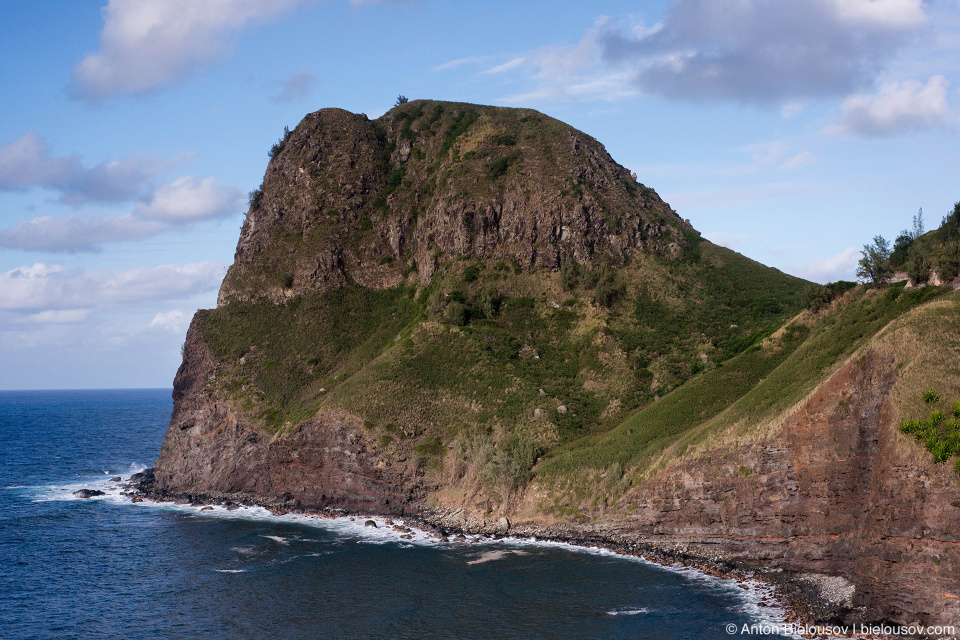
(255, 196)
(949, 264)
(898, 257)
(917, 268)
(691, 246)
(471, 273)
(956, 409)
(910, 426)
(930, 396)
(455, 314)
(816, 296)
(569, 274)
(396, 177)
(432, 447)
(490, 301)
(279, 144)
(941, 452)
(608, 290)
(509, 466)
(499, 167)
(873, 266)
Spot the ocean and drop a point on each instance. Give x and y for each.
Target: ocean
(106, 567)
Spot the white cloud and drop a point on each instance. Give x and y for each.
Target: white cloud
(42, 288)
(174, 321)
(145, 44)
(296, 87)
(189, 198)
(77, 232)
(791, 109)
(761, 52)
(27, 162)
(785, 52)
(59, 316)
(841, 266)
(896, 108)
(185, 201)
(453, 64)
(881, 14)
(507, 66)
(566, 72)
(765, 154)
(802, 159)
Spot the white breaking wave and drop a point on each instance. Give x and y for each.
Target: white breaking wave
(749, 593)
(628, 611)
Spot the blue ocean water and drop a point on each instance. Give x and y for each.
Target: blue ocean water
(108, 568)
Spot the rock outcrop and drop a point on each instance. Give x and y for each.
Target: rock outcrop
(379, 202)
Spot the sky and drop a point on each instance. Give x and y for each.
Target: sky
(131, 131)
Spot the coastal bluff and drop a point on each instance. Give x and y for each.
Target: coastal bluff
(473, 315)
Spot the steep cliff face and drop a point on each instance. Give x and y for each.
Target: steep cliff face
(833, 492)
(211, 451)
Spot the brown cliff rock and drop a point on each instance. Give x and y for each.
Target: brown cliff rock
(831, 493)
(210, 451)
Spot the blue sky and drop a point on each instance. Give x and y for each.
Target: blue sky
(792, 131)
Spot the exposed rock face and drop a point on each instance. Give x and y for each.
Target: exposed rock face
(831, 493)
(350, 199)
(324, 462)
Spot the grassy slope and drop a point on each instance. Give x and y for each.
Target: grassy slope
(390, 356)
(925, 345)
(750, 391)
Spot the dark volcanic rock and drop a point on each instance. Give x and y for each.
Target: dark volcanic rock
(87, 493)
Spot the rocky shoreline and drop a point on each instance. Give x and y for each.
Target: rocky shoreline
(806, 599)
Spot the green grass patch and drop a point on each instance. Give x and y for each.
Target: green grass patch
(287, 351)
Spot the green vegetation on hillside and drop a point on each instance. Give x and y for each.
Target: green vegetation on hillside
(754, 387)
(918, 254)
(500, 302)
(274, 359)
(528, 359)
(939, 434)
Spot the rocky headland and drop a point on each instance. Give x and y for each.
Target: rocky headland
(474, 317)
